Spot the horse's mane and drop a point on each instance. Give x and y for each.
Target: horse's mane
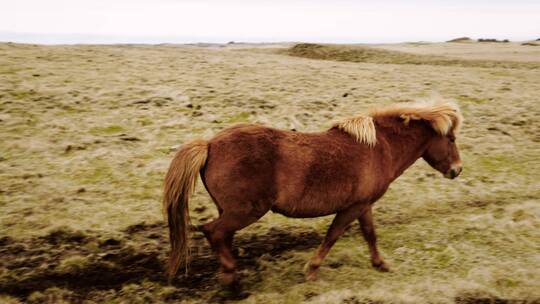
(443, 116)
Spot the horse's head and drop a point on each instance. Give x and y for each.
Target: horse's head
(442, 154)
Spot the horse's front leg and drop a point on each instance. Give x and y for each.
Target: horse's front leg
(340, 223)
(368, 230)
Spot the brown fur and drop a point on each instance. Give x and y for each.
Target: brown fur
(251, 169)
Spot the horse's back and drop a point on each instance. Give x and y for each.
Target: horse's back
(240, 165)
(318, 173)
(294, 173)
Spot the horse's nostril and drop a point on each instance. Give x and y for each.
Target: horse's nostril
(454, 172)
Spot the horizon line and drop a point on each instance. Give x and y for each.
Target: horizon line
(82, 38)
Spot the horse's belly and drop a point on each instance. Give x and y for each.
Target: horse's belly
(301, 213)
(306, 208)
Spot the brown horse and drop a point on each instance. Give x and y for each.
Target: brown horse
(250, 169)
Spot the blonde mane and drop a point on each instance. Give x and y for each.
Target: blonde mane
(443, 116)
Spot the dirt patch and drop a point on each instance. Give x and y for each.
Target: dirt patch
(85, 264)
(487, 299)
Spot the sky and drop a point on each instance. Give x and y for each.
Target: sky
(338, 21)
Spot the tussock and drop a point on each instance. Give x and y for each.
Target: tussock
(374, 55)
(461, 39)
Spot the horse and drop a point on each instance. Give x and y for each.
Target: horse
(250, 169)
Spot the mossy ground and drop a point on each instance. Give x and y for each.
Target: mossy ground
(88, 132)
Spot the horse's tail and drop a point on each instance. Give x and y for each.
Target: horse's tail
(179, 185)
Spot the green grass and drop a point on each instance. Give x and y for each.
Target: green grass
(23, 94)
(471, 239)
(111, 129)
(238, 118)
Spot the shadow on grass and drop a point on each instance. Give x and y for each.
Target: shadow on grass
(84, 263)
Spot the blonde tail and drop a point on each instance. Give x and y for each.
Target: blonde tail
(178, 187)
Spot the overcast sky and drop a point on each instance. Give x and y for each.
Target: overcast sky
(155, 21)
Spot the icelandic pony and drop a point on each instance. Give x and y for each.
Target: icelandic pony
(251, 169)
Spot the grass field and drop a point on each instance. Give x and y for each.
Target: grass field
(88, 133)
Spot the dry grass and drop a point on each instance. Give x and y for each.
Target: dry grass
(460, 40)
(88, 133)
(472, 50)
(385, 56)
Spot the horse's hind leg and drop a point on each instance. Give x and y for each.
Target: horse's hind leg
(368, 230)
(220, 233)
(338, 227)
(220, 240)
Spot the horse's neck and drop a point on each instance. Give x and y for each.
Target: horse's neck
(406, 145)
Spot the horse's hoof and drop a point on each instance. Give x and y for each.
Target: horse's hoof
(228, 279)
(233, 292)
(310, 271)
(311, 276)
(381, 266)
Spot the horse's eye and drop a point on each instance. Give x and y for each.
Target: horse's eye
(452, 140)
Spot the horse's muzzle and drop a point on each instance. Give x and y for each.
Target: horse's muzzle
(453, 172)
